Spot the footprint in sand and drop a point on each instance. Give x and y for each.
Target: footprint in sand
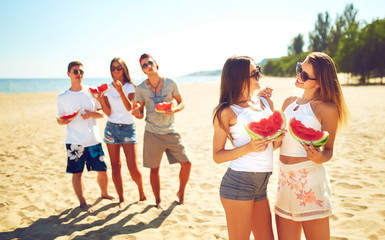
(348, 185)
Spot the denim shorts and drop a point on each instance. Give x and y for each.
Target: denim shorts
(116, 133)
(244, 186)
(78, 156)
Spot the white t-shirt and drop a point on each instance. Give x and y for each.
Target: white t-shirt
(119, 113)
(79, 131)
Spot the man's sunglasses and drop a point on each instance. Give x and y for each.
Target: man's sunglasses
(304, 75)
(256, 74)
(150, 63)
(76, 72)
(119, 68)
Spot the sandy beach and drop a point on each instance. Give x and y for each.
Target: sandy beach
(37, 200)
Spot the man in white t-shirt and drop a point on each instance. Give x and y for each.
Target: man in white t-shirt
(83, 140)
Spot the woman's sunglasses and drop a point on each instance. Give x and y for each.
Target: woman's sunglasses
(76, 72)
(304, 75)
(150, 63)
(256, 74)
(119, 68)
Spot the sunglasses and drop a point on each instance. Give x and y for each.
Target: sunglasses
(76, 72)
(256, 74)
(150, 63)
(304, 75)
(119, 68)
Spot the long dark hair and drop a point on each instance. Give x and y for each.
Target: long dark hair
(234, 80)
(330, 88)
(126, 73)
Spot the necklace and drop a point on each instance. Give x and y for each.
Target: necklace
(149, 83)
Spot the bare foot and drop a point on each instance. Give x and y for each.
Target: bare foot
(109, 197)
(122, 204)
(181, 198)
(142, 197)
(158, 205)
(87, 208)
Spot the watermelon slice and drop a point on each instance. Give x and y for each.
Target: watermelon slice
(136, 106)
(164, 106)
(68, 117)
(102, 89)
(267, 127)
(304, 134)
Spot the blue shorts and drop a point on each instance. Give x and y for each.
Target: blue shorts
(244, 186)
(78, 156)
(116, 133)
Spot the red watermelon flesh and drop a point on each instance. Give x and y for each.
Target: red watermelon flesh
(100, 89)
(69, 117)
(307, 134)
(162, 107)
(267, 127)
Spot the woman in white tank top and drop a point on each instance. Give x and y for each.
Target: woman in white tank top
(304, 192)
(243, 187)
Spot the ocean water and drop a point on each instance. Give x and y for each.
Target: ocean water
(33, 85)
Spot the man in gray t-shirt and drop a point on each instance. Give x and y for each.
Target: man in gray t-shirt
(160, 134)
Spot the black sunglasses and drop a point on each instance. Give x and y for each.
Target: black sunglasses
(119, 68)
(150, 63)
(256, 74)
(304, 75)
(76, 72)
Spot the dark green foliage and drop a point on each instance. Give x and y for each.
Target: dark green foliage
(359, 51)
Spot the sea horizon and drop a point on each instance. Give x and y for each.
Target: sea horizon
(36, 85)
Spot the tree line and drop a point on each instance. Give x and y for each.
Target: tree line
(357, 48)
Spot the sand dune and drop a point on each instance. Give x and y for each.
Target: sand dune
(37, 200)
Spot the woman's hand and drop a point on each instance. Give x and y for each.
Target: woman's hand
(266, 92)
(118, 86)
(313, 153)
(258, 145)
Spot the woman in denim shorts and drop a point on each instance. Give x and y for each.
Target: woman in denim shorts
(117, 104)
(243, 188)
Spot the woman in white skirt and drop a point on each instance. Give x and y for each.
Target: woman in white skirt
(304, 192)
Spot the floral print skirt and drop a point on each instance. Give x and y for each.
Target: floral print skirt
(304, 191)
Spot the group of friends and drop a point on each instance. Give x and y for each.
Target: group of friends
(83, 141)
(303, 200)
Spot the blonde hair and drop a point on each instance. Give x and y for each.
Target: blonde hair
(330, 88)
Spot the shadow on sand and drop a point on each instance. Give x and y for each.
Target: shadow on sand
(66, 223)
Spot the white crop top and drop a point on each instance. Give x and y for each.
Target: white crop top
(291, 147)
(253, 161)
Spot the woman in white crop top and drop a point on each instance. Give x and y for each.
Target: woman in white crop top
(243, 188)
(117, 103)
(304, 193)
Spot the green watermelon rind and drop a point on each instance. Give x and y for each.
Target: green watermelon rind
(316, 143)
(69, 119)
(256, 136)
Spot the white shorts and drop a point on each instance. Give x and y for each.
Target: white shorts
(304, 192)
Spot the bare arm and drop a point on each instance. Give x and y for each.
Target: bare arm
(220, 154)
(329, 117)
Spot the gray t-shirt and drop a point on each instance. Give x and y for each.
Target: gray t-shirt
(158, 123)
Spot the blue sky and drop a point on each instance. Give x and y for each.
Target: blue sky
(39, 38)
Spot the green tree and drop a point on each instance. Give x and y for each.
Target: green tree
(319, 37)
(296, 45)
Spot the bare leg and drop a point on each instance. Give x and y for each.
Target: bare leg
(116, 165)
(184, 175)
(261, 224)
(130, 150)
(103, 184)
(155, 185)
(77, 183)
(317, 229)
(288, 229)
(238, 217)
